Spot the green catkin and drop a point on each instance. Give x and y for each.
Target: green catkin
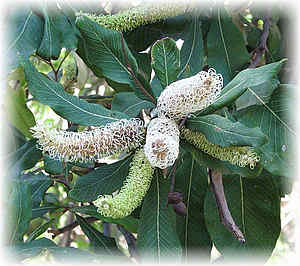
(241, 156)
(138, 16)
(133, 191)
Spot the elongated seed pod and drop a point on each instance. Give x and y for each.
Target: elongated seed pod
(132, 192)
(138, 16)
(115, 137)
(189, 95)
(162, 142)
(241, 156)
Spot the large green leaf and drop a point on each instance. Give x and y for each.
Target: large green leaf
(59, 32)
(248, 78)
(70, 107)
(103, 51)
(221, 131)
(104, 180)
(19, 206)
(226, 48)
(165, 61)
(24, 158)
(157, 240)
(255, 208)
(129, 223)
(24, 35)
(99, 243)
(274, 119)
(129, 104)
(191, 180)
(192, 52)
(39, 184)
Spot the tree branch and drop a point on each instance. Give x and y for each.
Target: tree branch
(224, 213)
(131, 242)
(259, 51)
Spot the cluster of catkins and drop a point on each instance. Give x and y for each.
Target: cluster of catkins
(160, 149)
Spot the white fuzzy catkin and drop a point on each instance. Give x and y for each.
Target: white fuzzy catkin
(189, 95)
(113, 138)
(162, 142)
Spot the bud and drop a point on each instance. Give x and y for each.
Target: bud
(189, 95)
(138, 16)
(115, 137)
(241, 156)
(162, 142)
(133, 191)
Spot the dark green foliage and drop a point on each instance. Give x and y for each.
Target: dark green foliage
(120, 76)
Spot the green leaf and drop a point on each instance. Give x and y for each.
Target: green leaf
(129, 223)
(104, 180)
(24, 158)
(19, 205)
(129, 104)
(226, 48)
(165, 60)
(70, 107)
(39, 184)
(39, 230)
(51, 166)
(224, 167)
(221, 131)
(17, 111)
(191, 180)
(157, 240)
(264, 91)
(275, 121)
(192, 52)
(102, 50)
(39, 211)
(255, 207)
(24, 35)
(248, 78)
(59, 32)
(99, 243)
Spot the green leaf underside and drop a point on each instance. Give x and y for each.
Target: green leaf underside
(192, 52)
(274, 121)
(24, 36)
(58, 33)
(191, 180)
(103, 180)
(129, 223)
(19, 205)
(165, 61)
(157, 240)
(247, 78)
(255, 207)
(223, 132)
(100, 243)
(102, 50)
(226, 48)
(129, 104)
(70, 107)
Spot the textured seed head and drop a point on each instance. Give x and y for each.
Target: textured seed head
(122, 135)
(189, 95)
(162, 142)
(133, 191)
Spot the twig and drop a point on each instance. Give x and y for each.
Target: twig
(69, 227)
(138, 83)
(224, 213)
(131, 242)
(259, 51)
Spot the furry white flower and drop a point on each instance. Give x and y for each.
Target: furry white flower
(122, 135)
(162, 142)
(189, 95)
